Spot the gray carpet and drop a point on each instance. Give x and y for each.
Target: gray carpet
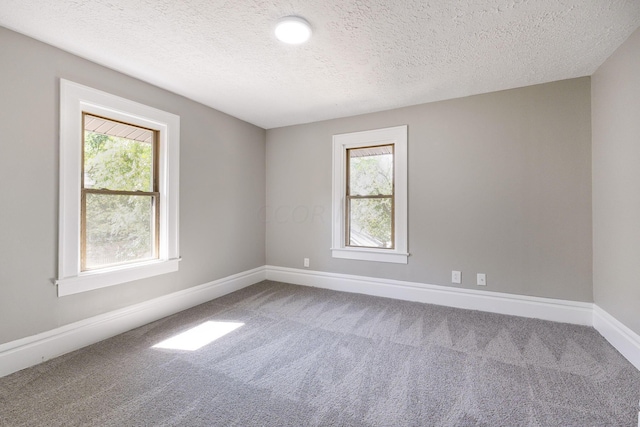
(313, 357)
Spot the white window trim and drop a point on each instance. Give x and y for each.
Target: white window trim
(393, 135)
(74, 100)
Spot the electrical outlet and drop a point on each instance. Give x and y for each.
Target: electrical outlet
(456, 277)
(481, 279)
(306, 262)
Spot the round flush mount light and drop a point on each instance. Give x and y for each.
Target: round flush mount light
(293, 30)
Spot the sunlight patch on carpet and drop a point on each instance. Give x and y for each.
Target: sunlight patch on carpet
(198, 337)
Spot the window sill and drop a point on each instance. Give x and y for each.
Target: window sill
(89, 281)
(370, 255)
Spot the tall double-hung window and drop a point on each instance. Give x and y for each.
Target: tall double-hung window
(369, 198)
(118, 190)
(370, 195)
(120, 199)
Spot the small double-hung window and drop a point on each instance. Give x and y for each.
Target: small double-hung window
(118, 190)
(370, 195)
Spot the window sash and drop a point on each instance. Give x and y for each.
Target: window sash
(348, 221)
(155, 198)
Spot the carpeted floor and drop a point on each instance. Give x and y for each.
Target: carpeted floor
(313, 357)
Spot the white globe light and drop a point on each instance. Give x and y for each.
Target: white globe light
(293, 30)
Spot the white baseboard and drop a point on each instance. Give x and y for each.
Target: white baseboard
(622, 338)
(30, 351)
(495, 302)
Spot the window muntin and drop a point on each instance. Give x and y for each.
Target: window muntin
(370, 197)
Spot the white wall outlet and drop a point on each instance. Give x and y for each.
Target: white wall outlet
(456, 277)
(481, 279)
(306, 262)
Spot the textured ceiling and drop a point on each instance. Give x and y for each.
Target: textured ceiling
(363, 56)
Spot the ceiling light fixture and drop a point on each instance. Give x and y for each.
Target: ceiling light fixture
(293, 30)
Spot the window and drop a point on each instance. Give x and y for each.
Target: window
(370, 195)
(118, 190)
(119, 208)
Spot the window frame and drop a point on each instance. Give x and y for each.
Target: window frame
(396, 136)
(75, 100)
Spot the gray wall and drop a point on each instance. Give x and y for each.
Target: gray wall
(616, 183)
(221, 190)
(498, 183)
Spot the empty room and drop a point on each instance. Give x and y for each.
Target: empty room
(323, 213)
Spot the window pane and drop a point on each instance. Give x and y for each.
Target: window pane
(370, 223)
(119, 229)
(118, 163)
(371, 171)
